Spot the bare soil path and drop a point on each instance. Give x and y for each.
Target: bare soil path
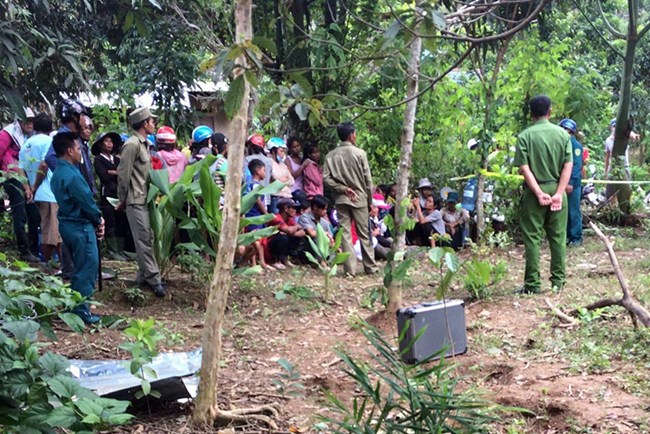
(593, 378)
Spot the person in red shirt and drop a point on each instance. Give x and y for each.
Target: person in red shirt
(288, 241)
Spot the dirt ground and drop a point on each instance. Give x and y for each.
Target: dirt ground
(592, 378)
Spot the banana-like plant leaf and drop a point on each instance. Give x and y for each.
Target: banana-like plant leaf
(250, 237)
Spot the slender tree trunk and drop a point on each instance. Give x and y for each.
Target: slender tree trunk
(621, 135)
(408, 133)
(205, 410)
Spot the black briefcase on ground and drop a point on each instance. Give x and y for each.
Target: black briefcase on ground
(441, 324)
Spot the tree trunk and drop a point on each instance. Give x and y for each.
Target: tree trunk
(205, 410)
(621, 135)
(408, 132)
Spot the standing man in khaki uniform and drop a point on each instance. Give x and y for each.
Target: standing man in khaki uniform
(132, 190)
(347, 174)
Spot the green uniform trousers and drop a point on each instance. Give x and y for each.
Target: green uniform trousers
(534, 220)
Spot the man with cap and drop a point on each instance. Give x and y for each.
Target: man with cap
(23, 210)
(574, 188)
(347, 174)
(132, 191)
(544, 158)
(425, 189)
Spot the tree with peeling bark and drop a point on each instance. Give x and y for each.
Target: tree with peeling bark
(206, 410)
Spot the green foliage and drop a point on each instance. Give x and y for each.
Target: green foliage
(447, 265)
(400, 398)
(135, 296)
(328, 257)
(37, 393)
(296, 291)
(194, 264)
(168, 207)
(287, 382)
(482, 276)
(143, 340)
(396, 268)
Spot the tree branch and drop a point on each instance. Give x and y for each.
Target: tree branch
(628, 301)
(404, 101)
(611, 28)
(593, 26)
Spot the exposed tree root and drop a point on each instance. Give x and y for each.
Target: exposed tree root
(246, 415)
(637, 311)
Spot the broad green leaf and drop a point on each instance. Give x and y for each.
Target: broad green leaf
(341, 257)
(323, 241)
(234, 97)
(160, 178)
(22, 331)
(266, 43)
(311, 258)
(250, 237)
(53, 365)
(436, 254)
(452, 261)
(73, 321)
(146, 387)
(62, 417)
(64, 386)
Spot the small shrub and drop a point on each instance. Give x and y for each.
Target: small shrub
(143, 340)
(482, 276)
(287, 382)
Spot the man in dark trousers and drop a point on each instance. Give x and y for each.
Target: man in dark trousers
(80, 220)
(70, 112)
(347, 174)
(544, 158)
(132, 191)
(574, 188)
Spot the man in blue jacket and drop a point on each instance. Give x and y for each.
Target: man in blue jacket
(574, 188)
(80, 220)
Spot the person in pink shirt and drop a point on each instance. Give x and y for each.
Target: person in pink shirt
(175, 159)
(312, 174)
(295, 163)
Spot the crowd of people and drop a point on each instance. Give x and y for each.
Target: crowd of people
(65, 192)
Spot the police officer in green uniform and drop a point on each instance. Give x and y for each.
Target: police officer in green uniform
(544, 158)
(80, 220)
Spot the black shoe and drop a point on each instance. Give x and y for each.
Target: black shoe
(159, 290)
(29, 257)
(523, 289)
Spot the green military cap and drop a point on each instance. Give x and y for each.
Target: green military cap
(140, 114)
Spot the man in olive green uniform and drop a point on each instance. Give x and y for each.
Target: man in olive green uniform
(347, 174)
(544, 159)
(132, 190)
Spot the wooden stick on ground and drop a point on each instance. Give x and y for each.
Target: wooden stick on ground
(566, 319)
(627, 301)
